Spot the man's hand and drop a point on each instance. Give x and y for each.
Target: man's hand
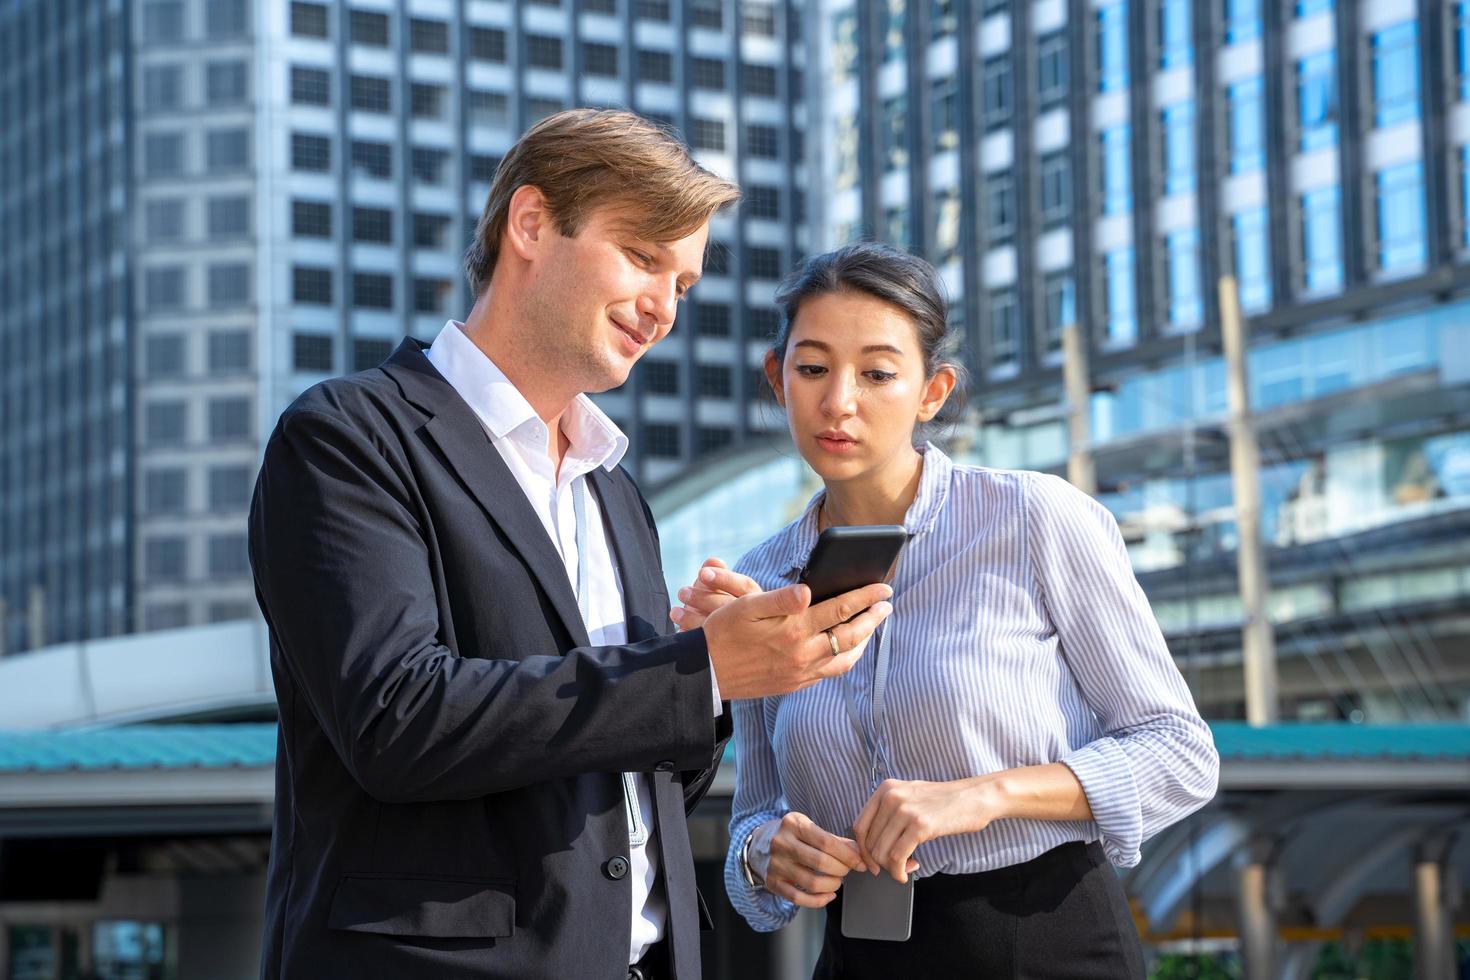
(775, 642)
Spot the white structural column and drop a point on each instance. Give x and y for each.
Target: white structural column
(1081, 470)
(1434, 894)
(1257, 891)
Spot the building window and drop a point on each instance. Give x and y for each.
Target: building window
(543, 51)
(717, 259)
(539, 109)
(1462, 48)
(227, 150)
(1053, 73)
(428, 36)
(229, 418)
(369, 28)
(1316, 87)
(426, 101)
(429, 229)
(163, 491)
(1117, 170)
(1118, 291)
(655, 66)
(895, 136)
(1465, 195)
(1112, 47)
(229, 487)
(372, 291)
(757, 19)
(1005, 329)
(1242, 20)
(1179, 148)
(1175, 49)
(944, 132)
(225, 83)
(163, 154)
(163, 87)
(710, 439)
(763, 263)
(1396, 74)
(946, 235)
(372, 159)
(600, 59)
(229, 352)
(370, 93)
(163, 356)
(1252, 259)
(1000, 207)
(1401, 217)
(163, 220)
(1186, 309)
(1061, 308)
(229, 284)
(763, 202)
(163, 21)
(310, 86)
(310, 152)
(311, 219)
(758, 80)
(660, 377)
(369, 352)
(311, 284)
(708, 14)
(487, 44)
(712, 320)
(428, 164)
(1306, 8)
(483, 167)
(312, 352)
(372, 225)
(489, 108)
(163, 558)
(163, 423)
(661, 440)
(163, 288)
(650, 9)
(1247, 135)
(996, 95)
(1056, 188)
(1321, 240)
(308, 19)
(762, 142)
(708, 73)
(165, 616)
(762, 322)
(430, 295)
(713, 381)
(228, 555)
(707, 134)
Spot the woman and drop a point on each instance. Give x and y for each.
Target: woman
(1034, 728)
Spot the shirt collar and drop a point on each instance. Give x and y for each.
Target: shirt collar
(503, 410)
(920, 518)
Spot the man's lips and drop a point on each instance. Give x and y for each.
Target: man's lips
(635, 339)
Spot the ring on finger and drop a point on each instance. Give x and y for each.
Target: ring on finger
(832, 639)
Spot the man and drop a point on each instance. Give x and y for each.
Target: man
(490, 735)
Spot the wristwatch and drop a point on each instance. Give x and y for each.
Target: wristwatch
(746, 871)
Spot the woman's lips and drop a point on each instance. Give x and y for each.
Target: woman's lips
(836, 444)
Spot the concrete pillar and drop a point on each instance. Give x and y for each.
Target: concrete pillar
(1081, 470)
(1258, 897)
(1434, 937)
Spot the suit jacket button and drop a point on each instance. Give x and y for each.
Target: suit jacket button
(665, 766)
(616, 867)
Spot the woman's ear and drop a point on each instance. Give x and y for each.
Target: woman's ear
(773, 377)
(937, 391)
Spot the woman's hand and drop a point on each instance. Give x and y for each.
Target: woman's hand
(901, 815)
(713, 587)
(808, 864)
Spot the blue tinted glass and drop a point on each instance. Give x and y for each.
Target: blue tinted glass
(1242, 20)
(1112, 41)
(1317, 100)
(1246, 141)
(1117, 171)
(1401, 217)
(1185, 307)
(1465, 191)
(1321, 232)
(1252, 260)
(1462, 48)
(1396, 74)
(1179, 148)
(1122, 324)
(1174, 46)
(1306, 8)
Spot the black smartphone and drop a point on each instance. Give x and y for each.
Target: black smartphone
(847, 558)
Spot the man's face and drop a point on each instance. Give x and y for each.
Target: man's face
(606, 295)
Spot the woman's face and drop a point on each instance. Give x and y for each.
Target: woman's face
(853, 384)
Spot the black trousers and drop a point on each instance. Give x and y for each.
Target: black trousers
(1060, 916)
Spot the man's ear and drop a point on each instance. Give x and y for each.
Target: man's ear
(773, 377)
(527, 222)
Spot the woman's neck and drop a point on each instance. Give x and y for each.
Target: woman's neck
(880, 497)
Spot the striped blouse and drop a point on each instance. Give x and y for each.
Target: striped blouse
(1020, 637)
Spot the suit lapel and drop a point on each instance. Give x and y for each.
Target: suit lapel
(469, 453)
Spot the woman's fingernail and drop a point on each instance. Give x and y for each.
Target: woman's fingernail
(676, 614)
(707, 575)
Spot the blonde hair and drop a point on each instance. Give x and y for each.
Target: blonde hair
(585, 159)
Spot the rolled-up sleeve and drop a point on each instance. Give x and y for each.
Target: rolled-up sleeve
(1155, 762)
(758, 798)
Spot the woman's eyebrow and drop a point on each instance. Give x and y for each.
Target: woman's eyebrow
(870, 349)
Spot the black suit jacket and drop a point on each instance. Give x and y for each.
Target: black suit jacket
(448, 801)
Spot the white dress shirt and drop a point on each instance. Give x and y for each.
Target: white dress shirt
(519, 435)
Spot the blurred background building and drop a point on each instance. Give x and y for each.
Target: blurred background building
(208, 205)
